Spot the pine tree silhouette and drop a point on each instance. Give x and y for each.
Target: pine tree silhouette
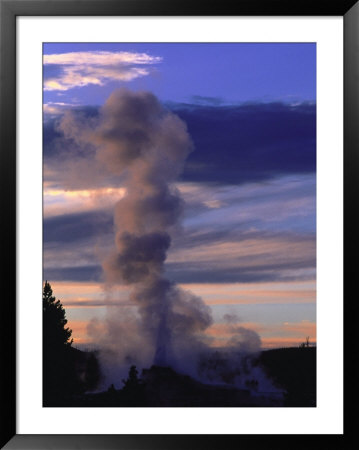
(55, 335)
(60, 379)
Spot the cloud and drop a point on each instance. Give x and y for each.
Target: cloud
(259, 274)
(52, 109)
(205, 100)
(76, 227)
(65, 71)
(254, 294)
(248, 258)
(235, 144)
(262, 231)
(79, 331)
(265, 258)
(303, 328)
(61, 202)
(69, 291)
(77, 273)
(288, 333)
(238, 144)
(239, 242)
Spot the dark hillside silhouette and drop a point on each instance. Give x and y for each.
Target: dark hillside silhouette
(293, 369)
(162, 386)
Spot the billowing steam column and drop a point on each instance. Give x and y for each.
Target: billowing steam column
(138, 139)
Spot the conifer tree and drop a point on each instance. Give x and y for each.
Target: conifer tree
(55, 333)
(59, 374)
(66, 370)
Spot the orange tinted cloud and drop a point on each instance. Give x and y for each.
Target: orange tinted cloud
(79, 331)
(285, 335)
(93, 300)
(303, 328)
(84, 294)
(220, 333)
(60, 201)
(76, 289)
(88, 296)
(250, 252)
(261, 293)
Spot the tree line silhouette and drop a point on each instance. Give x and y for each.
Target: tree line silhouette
(67, 371)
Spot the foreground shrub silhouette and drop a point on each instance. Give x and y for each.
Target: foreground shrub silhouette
(133, 392)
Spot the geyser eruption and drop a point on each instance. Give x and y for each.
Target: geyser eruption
(146, 145)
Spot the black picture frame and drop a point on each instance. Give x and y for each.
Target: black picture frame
(10, 9)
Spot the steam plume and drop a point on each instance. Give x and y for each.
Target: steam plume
(145, 144)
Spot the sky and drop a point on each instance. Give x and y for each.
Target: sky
(245, 241)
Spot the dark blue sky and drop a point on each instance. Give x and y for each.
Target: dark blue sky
(231, 73)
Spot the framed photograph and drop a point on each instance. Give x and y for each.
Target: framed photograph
(175, 177)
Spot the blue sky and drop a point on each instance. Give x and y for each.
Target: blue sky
(228, 73)
(247, 240)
